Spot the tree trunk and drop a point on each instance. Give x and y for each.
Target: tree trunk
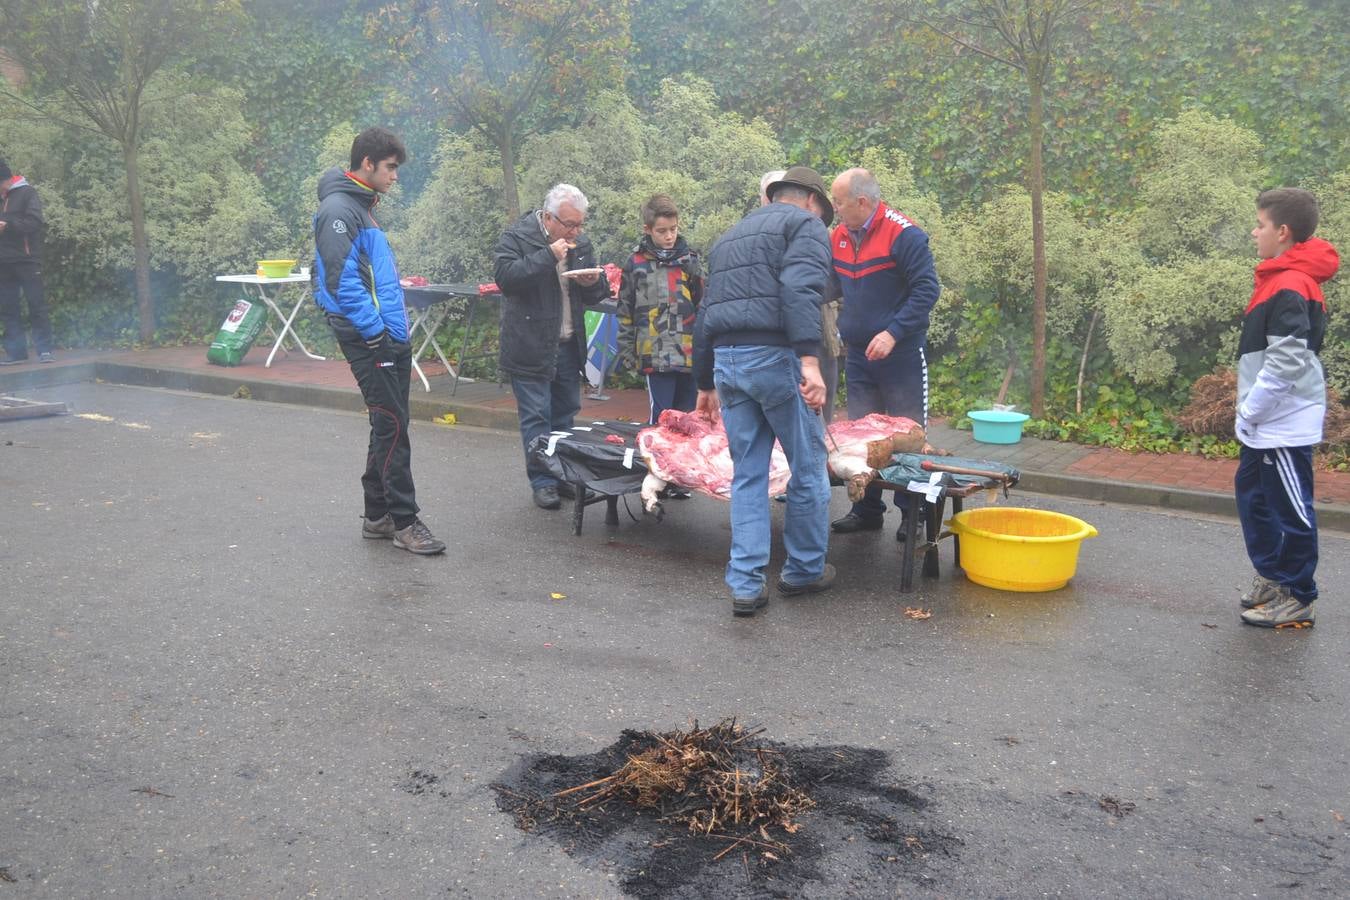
(510, 193)
(145, 302)
(1035, 79)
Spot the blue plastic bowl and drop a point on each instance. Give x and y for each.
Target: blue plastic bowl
(996, 426)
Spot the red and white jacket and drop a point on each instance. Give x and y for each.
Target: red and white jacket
(889, 282)
(1282, 393)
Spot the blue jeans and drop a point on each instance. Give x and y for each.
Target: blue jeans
(757, 387)
(895, 386)
(545, 406)
(671, 390)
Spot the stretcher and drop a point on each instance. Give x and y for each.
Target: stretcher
(601, 462)
(926, 482)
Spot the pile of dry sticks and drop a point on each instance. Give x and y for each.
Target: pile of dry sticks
(717, 781)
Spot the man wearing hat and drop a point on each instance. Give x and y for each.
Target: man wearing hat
(21, 229)
(757, 363)
(889, 284)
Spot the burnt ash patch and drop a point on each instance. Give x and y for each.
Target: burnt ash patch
(864, 836)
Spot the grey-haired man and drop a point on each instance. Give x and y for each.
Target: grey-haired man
(543, 329)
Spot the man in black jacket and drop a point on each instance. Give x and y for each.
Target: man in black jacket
(21, 229)
(757, 342)
(543, 329)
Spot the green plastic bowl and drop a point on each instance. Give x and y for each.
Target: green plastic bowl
(275, 268)
(997, 426)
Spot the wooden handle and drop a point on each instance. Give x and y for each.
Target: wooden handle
(929, 466)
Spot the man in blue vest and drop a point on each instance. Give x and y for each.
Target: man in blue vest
(889, 284)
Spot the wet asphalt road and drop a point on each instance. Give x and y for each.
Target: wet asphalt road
(210, 685)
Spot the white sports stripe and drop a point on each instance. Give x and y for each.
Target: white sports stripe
(1292, 488)
(923, 362)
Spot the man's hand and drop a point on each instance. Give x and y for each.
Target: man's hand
(559, 248)
(812, 386)
(3, 223)
(708, 406)
(880, 346)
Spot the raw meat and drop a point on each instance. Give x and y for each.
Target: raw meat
(859, 447)
(686, 449)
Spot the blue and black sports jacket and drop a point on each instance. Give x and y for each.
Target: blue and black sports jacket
(889, 283)
(354, 271)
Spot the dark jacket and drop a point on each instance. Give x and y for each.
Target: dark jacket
(526, 273)
(765, 279)
(1281, 390)
(658, 300)
(889, 282)
(21, 211)
(354, 271)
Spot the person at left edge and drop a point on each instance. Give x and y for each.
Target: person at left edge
(355, 282)
(21, 231)
(543, 329)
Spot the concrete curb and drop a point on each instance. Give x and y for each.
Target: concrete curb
(1330, 516)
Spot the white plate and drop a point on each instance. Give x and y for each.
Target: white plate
(574, 273)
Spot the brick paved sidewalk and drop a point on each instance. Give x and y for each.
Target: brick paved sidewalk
(1168, 476)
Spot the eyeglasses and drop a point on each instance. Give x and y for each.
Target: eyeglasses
(569, 226)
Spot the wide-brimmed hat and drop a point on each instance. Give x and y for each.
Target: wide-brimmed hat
(807, 179)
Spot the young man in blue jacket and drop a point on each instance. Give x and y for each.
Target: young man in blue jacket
(356, 283)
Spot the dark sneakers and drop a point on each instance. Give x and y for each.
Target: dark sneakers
(748, 606)
(854, 522)
(823, 583)
(381, 529)
(417, 538)
(546, 497)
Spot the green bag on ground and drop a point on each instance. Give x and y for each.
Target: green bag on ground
(237, 333)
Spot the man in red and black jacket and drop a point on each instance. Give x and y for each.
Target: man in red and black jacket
(21, 229)
(889, 286)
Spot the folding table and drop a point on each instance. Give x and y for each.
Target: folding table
(261, 287)
(430, 306)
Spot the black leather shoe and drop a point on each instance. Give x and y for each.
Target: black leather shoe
(546, 497)
(748, 606)
(823, 583)
(854, 522)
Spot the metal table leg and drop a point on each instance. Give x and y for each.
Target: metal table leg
(933, 517)
(287, 325)
(913, 509)
(470, 308)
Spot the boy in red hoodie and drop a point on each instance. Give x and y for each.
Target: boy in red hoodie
(1281, 402)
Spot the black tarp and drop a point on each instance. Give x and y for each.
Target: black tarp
(584, 454)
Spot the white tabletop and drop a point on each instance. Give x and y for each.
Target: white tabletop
(258, 279)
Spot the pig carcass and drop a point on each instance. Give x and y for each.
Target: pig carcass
(685, 448)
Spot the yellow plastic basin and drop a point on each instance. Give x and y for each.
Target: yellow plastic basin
(1015, 549)
(275, 268)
